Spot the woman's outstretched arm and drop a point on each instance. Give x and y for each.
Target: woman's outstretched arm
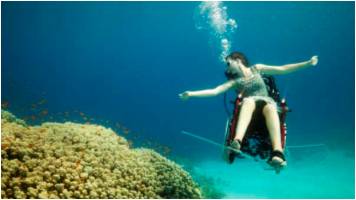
(208, 92)
(285, 69)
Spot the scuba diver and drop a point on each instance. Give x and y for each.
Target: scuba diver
(248, 81)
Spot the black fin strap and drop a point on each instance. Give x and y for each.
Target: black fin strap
(277, 153)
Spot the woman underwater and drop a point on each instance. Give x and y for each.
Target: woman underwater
(248, 80)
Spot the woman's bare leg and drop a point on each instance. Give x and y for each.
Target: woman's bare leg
(247, 108)
(273, 126)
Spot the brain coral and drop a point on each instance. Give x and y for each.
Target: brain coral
(68, 160)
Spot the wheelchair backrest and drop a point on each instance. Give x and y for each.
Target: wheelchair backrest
(272, 88)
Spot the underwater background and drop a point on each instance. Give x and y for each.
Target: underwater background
(123, 64)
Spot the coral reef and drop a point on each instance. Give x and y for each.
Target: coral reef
(68, 160)
(9, 117)
(210, 186)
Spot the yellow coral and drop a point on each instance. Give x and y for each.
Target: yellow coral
(69, 160)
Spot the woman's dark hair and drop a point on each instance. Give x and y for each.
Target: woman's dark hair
(238, 55)
(234, 56)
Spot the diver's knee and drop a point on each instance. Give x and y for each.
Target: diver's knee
(249, 103)
(269, 109)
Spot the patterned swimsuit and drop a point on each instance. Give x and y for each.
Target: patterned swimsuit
(254, 87)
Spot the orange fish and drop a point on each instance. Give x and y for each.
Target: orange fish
(81, 114)
(44, 112)
(126, 131)
(33, 117)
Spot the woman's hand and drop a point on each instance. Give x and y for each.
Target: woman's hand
(184, 96)
(314, 60)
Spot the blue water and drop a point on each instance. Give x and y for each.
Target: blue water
(126, 62)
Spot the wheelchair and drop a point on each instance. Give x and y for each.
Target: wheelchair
(256, 142)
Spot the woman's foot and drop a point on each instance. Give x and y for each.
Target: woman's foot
(236, 145)
(277, 160)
